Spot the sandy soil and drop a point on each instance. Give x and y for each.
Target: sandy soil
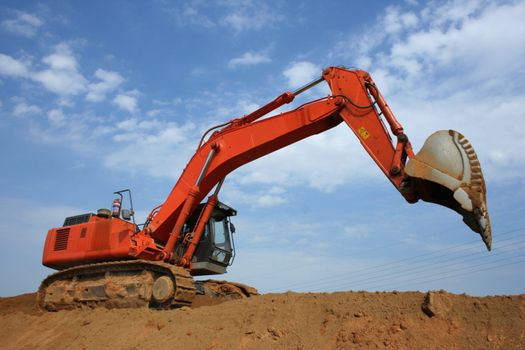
(344, 320)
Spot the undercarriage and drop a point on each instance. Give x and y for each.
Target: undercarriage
(131, 284)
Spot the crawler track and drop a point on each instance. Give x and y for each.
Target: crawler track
(225, 289)
(122, 284)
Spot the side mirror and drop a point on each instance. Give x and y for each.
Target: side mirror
(232, 227)
(127, 214)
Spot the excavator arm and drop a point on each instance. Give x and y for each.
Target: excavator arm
(105, 260)
(445, 173)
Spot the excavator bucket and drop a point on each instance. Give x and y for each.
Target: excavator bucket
(446, 171)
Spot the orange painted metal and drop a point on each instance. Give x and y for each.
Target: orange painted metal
(199, 229)
(99, 239)
(240, 145)
(395, 126)
(283, 99)
(355, 100)
(186, 211)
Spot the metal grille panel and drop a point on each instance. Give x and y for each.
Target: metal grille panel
(77, 219)
(61, 239)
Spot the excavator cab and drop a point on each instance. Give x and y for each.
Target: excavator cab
(216, 249)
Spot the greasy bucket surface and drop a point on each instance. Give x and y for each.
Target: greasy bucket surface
(446, 171)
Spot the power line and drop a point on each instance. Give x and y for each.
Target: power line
(422, 269)
(386, 275)
(366, 250)
(390, 265)
(468, 272)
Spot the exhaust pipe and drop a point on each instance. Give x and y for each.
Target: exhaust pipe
(446, 171)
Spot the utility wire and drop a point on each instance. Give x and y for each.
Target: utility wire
(386, 274)
(362, 251)
(390, 265)
(361, 284)
(463, 272)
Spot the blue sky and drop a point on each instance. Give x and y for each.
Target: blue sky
(100, 96)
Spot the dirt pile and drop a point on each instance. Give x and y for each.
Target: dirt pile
(345, 320)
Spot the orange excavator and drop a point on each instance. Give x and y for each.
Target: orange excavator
(105, 259)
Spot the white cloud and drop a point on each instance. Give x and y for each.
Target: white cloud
(405, 64)
(154, 112)
(127, 101)
(452, 69)
(324, 162)
(108, 81)
(198, 71)
(394, 21)
(12, 67)
(241, 107)
(244, 19)
(453, 34)
(302, 72)
(474, 44)
(266, 197)
(356, 231)
(62, 76)
(454, 12)
(25, 24)
(240, 21)
(150, 146)
(192, 15)
(401, 67)
(249, 59)
(22, 108)
(250, 15)
(56, 117)
(236, 15)
(65, 101)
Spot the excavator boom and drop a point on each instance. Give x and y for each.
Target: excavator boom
(106, 260)
(355, 100)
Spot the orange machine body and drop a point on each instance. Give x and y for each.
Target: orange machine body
(166, 236)
(98, 239)
(355, 101)
(246, 139)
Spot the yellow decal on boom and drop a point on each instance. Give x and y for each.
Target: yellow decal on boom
(363, 132)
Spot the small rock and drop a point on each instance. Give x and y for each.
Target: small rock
(275, 333)
(436, 304)
(395, 329)
(431, 305)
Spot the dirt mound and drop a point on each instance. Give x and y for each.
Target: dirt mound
(344, 320)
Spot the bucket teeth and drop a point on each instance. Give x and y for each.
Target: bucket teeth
(447, 171)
